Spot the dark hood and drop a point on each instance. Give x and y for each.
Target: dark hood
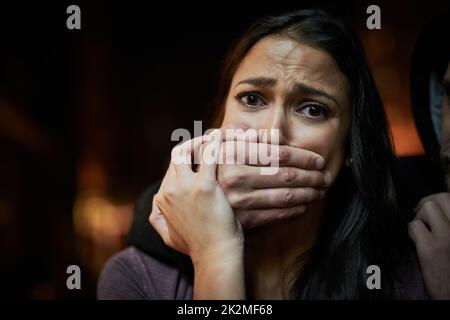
(429, 62)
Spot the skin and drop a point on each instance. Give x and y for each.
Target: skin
(430, 230)
(257, 199)
(195, 215)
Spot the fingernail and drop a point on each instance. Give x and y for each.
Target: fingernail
(319, 163)
(327, 178)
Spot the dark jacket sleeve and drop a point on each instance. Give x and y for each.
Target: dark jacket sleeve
(144, 237)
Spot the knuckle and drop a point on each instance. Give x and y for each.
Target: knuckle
(442, 197)
(160, 198)
(225, 173)
(168, 241)
(428, 206)
(233, 181)
(236, 200)
(288, 175)
(151, 219)
(283, 155)
(175, 151)
(306, 177)
(286, 197)
(169, 192)
(283, 213)
(201, 189)
(413, 225)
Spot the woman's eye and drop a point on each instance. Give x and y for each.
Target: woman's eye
(251, 100)
(315, 111)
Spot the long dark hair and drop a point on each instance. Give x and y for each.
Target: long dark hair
(362, 225)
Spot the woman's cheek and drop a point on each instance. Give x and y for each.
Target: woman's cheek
(248, 120)
(327, 141)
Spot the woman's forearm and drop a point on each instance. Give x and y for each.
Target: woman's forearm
(220, 275)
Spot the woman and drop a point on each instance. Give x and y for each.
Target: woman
(305, 75)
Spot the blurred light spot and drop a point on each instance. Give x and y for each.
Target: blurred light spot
(97, 218)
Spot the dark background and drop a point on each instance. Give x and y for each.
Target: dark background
(86, 115)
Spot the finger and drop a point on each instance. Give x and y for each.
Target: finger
(246, 149)
(432, 215)
(250, 177)
(170, 178)
(443, 201)
(300, 158)
(249, 152)
(441, 198)
(210, 156)
(288, 155)
(274, 198)
(263, 154)
(235, 148)
(184, 155)
(420, 234)
(254, 218)
(291, 177)
(163, 226)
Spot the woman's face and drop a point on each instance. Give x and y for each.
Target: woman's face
(282, 84)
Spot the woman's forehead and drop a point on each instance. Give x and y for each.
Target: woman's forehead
(290, 62)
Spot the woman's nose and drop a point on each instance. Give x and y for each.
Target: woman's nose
(276, 127)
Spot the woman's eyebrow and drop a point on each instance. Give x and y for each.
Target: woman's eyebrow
(259, 81)
(308, 90)
(299, 87)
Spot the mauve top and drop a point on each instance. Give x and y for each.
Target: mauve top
(133, 274)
